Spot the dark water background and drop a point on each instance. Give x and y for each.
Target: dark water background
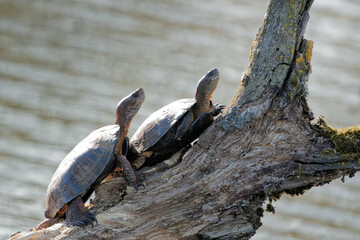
(64, 65)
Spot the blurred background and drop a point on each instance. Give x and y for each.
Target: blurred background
(64, 65)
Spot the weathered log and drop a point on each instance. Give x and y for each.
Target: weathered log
(263, 145)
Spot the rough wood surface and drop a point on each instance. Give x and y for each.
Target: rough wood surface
(262, 146)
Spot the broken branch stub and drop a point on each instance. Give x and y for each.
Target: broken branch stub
(272, 54)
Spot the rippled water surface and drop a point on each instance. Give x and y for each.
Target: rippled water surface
(64, 65)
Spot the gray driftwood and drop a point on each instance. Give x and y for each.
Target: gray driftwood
(262, 146)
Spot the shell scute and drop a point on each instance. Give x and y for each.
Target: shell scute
(158, 123)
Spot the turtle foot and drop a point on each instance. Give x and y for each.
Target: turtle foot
(83, 220)
(218, 109)
(136, 185)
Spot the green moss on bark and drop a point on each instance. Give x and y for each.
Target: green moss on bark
(346, 140)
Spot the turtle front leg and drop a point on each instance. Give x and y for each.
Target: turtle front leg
(202, 123)
(77, 214)
(128, 171)
(218, 109)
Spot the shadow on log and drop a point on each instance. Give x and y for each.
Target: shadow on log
(263, 145)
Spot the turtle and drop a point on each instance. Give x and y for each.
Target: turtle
(175, 125)
(83, 169)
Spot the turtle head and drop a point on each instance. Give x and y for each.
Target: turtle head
(128, 107)
(206, 87)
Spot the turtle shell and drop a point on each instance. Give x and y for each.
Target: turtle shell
(159, 123)
(80, 168)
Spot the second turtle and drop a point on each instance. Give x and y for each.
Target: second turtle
(175, 125)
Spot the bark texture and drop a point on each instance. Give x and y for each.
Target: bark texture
(261, 146)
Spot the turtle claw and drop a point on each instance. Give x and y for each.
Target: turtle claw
(136, 185)
(218, 109)
(83, 221)
(75, 223)
(140, 184)
(220, 106)
(93, 219)
(88, 221)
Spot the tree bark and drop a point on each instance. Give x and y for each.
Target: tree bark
(263, 145)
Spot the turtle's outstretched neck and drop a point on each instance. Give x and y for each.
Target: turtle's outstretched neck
(204, 91)
(130, 107)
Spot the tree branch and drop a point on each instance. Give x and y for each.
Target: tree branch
(262, 146)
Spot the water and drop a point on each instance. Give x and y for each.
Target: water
(64, 65)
